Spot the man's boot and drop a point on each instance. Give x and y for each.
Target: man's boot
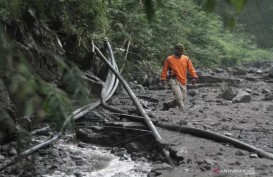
(170, 104)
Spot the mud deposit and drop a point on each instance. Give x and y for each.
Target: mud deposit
(237, 105)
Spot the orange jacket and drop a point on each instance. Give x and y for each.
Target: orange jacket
(179, 67)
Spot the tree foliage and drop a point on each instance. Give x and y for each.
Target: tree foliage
(207, 43)
(256, 17)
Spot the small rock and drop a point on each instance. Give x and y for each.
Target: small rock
(151, 174)
(231, 163)
(264, 174)
(226, 128)
(76, 157)
(237, 127)
(253, 156)
(266, 91)
(269, 108)
(81, 162)
(193, 92)
(199, 162)
(114, 150)
(140, 87)
(226, 103)
(181, 153)
(239, 71)
(122, 158)
(55, 152)
(2, 157)
(238, 163)
(219, 70)
(268, 97)
(255, 109)
(161, 166)
(132, 147)
(240, 153)
(228, 134)
(13, 151)
(189, 124)
(121, 152)
(248, 90)
(205, 168)
(218, 158)
(270, 72)
(151, 114)
(209, 161)
(215, 124)
(78, 174)
(206, 127)
(243, 121)
(183, 122)
(97, 129)
(53, 167)
(85, 145)
(259, 71)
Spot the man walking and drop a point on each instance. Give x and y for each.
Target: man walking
(175, 69)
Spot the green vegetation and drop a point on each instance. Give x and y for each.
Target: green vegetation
(206, 42)
(57, 36)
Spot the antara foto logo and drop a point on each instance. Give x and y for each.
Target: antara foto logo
(216, 170)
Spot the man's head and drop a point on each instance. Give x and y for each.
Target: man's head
(178, 50)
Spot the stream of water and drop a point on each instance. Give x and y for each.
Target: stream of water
(96, 161)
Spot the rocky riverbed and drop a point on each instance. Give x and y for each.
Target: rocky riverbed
(235, 102)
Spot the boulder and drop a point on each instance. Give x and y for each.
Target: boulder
(242, 97)
(239, 71)
(228, 94)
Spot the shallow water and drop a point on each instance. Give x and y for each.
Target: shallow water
(97, 162)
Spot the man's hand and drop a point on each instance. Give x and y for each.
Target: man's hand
(193, 81)
(164, 83)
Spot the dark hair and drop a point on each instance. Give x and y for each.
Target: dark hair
(179, 47)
